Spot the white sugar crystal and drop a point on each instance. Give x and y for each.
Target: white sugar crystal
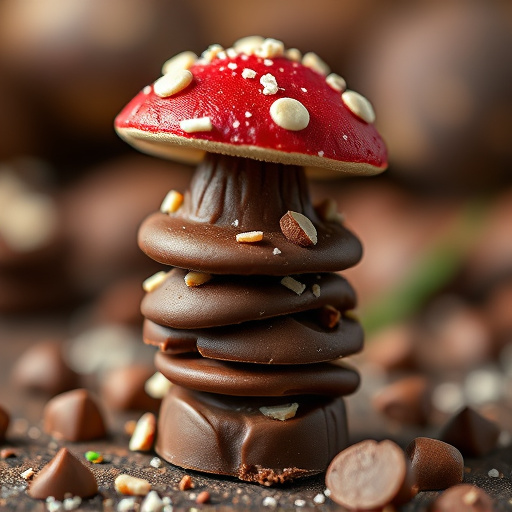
(156, 462)
(232, 65)
(276, 251)
(300, 503)
(152, 503)
(248, 114)
(319, 499)
(236, 124)
(269, 83)
(494, 473)
(248, 73)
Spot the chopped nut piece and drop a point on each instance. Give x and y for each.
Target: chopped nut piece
(329, 317)
(184, 60)
(336, 82)
(316, 290)
(470, 498)
(248, 73)
(269, 83)
(153, 282)
(293, 54)
(249, 237)
(231, 53)
(157, 386)
(131, 486)
(270, 48)
(199, 124)
(211, 52)
(298, 229)
(248, 44)
(203, 497)
(327, 210)
(290, 114)
(359, 105)
(28, 474)
(280, 412)
(144, 433)
(313, 61)
(185, 483)
(197, 278)
(293, 285)
(172, 83)
(152, 503)
(156, 462)
(276, 251)
(171, 202)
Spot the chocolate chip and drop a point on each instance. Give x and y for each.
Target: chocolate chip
(122, 389)
(4, 422)
(42, 368)
(437, 465)
(406, 401)
(62, 475)
(370, 475)
(463, 498)
(74, 416)
(471, 433)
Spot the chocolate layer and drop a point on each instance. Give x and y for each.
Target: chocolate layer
(231, 436)
(283, 340)
(234, 299)
(214, 249)
(246, 379)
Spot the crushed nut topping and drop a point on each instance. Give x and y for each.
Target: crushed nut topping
(131, 486)
(280, 412)
(197, 278)
(269, 83)
(293, 285)
(199, 124)
(316, 290)
(289, 114)
(270, 48)
(249, 44)
(298, 229)
(249, 237)
(144, 433)
(153, 282)
(276, 251)
(211, 52)
(157, 386)
(359, 105)
(184, 60)
(172, 202)
(293, 54)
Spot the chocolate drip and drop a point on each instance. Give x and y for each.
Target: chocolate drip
(257, 194)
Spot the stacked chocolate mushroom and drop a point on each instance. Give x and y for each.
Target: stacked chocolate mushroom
(252, 321)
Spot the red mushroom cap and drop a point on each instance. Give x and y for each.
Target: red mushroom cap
(231, 97)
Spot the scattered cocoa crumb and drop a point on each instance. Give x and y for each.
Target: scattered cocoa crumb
(5, 453)
(185, 483)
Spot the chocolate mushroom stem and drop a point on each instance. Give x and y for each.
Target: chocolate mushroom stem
(245, 193)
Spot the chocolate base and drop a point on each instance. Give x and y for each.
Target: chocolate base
(230, 436)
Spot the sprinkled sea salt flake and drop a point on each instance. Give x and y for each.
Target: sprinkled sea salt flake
(319, 499)
(321, 153)
(300, 503)
(494, 473)
(232, 65)
(248, 114)
(155, 462)
(269, 501)
(236, 124)
(303, 89)
(268, 62)
(276, 251)
(269, 83)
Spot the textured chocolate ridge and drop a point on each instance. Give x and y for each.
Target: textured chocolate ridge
(248, 379)
(227, 300)
(230, 436)
(283, 340)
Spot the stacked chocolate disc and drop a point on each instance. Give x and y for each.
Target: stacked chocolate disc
(251, 322)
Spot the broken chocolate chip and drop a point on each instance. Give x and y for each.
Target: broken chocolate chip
(437, 465)
(370, 475)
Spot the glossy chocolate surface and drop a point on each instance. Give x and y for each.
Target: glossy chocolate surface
(283, 340)
(244, 379)
(230, 435)
(227, 300)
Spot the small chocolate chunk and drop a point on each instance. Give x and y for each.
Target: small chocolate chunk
(370, 475)
(237, 439)
(406, 401)
(42, 368)
(463, 498)
(63, 475)
(471, 433)
(4, 422)
(437, 465)
(74, 416)
(122, 389)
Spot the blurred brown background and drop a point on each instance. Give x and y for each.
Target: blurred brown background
(435, 284)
